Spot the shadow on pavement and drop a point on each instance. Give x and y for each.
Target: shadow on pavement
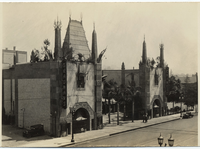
(10, 133)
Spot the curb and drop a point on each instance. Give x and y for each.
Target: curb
(103, 137)
(142, 127)
(112, 134)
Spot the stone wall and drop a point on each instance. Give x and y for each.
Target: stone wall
(74, 95)
(7, 96)
(27, 86)
(34, 102)
(156, 89)
(116, 75)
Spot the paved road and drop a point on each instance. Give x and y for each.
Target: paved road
(184, 131)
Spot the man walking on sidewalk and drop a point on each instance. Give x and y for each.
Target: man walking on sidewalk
(145, 117)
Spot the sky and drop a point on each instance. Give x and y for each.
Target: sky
(120, 27)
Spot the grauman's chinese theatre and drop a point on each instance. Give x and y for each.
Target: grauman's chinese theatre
(47, 92)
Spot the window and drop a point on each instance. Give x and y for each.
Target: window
(81, 80)
(156, 78)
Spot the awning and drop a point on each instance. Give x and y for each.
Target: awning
(81, 118)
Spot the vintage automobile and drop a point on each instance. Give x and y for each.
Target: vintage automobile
(34, 130)
(188, 114)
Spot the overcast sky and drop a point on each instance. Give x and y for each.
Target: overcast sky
(120, 27)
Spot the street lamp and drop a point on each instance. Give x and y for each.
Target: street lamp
(133, 109)
(72, 111)
(23, 116)
(160, 140)
(171, 141)
(55, 125)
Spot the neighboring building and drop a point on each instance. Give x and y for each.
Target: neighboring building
(48, 92)
(191, 79)
(191, 82)
(153, 82)
(11, 57)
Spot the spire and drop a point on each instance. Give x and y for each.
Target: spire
(94, 46)
(123, 66)
(144, 52)
(81, 18)
(70, 15)
(161, 55)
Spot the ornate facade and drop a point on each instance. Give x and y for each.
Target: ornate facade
(48, 92)
(151, 79)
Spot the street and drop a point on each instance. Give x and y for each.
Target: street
(184, 132)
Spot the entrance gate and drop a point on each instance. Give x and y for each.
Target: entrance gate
(81, 120)
(156, 106)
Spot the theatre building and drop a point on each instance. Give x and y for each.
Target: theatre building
(152, 80)
(49, 92)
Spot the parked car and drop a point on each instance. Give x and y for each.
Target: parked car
(188, 114)
(34, 130)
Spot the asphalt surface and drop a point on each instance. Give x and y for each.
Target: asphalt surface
(184, 132)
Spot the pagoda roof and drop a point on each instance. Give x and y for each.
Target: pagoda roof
(75, 38)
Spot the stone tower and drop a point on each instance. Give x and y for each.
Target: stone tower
(123, 75)
(144, 77)
(162, 55)
(144, 52)
(98, 81)
(94, 46)
(57, 49)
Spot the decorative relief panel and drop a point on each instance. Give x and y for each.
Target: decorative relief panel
(86, 106)
(78, 105)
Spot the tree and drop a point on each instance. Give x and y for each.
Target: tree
(191, 95)
(109, 92)
(46, 52)
(174, 90)
(190, 92)
(113, 91)
(133, 93)
(117, 95)
(35, 56)
(45, 55)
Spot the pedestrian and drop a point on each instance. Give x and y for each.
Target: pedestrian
(146, 117)
(143, 117)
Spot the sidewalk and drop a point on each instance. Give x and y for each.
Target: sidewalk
(108, 130)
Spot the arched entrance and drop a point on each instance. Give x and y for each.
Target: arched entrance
(156, 106)
(157, 109)
(83, 115)
(81, 121)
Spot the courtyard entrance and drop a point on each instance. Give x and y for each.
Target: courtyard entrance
(81, 121)
(157, 109)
